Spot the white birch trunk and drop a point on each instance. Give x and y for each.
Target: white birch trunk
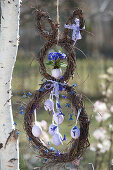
(9, 34)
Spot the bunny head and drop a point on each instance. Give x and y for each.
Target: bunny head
(64, 41)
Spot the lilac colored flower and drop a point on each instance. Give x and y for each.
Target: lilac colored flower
(60, 56)
(50, 56)
(56, 55)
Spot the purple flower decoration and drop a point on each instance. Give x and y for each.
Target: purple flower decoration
(56, 55)
(52, 56)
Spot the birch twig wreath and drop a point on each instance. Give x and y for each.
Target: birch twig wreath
(56, 86)
(78, 146)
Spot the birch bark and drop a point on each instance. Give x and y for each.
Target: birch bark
(9, 34)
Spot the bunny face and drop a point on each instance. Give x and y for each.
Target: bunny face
(52, 40)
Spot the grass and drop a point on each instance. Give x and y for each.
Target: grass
(26, 77)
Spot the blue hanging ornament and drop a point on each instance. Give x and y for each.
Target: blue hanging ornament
(49, 105)
(75, 132)
(57, 139)
(36, 130)
(52, 129)
(58, 118)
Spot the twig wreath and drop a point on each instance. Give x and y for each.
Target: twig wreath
(56, 84)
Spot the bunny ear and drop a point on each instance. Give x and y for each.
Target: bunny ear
(49, 35)
(77, 13)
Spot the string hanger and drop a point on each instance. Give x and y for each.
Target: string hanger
(58, 20)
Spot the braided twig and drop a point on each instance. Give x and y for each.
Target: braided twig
(78, 146)
(70, 59)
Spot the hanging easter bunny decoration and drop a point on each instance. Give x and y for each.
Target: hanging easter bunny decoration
(56, 86)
